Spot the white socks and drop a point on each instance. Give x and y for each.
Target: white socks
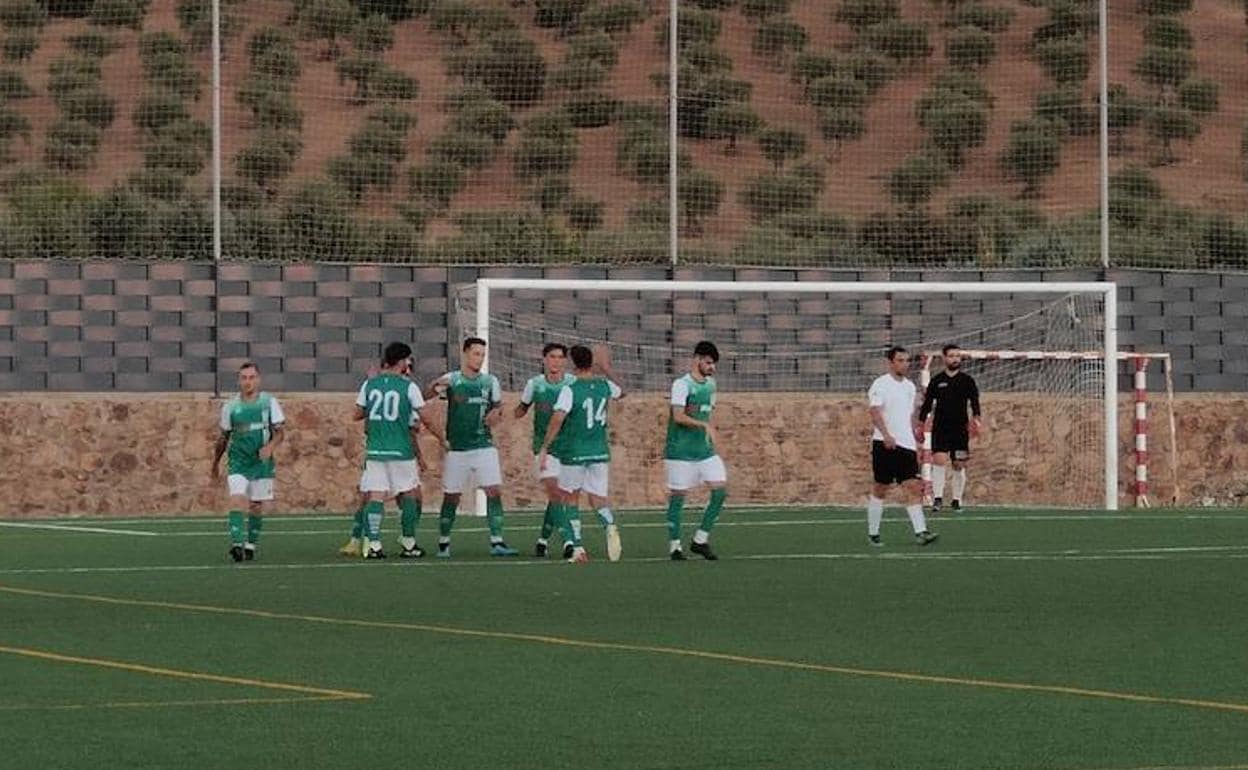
(938, 481)
(917, 519)
(673, 545)
(701, 536)
(875, 514)
(959, 483)
(407, 542)
(606, 517)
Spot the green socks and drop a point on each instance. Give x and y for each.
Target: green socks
(494, 516)
(255, 523)
(716, 504)
(548, 521)
(675, 507)
(373, 511)
(409, 516)
(236, 527)
(357, 525)
(446, 517)
(570, 524)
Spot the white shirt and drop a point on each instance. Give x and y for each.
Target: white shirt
(895, 399)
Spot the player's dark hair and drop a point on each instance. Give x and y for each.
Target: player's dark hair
(951, 346)
(892, 352)
(549, 346)
(394, 353)
(249, 365)
(706, 348)
(468, 343)
(582, 357)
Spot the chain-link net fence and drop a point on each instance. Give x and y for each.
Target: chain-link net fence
(830, 133)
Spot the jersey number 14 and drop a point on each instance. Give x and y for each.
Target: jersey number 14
(593, 416)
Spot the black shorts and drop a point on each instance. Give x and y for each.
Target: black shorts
(893, 466)
(955, 442)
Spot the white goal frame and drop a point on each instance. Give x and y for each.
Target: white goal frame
(1106, 289)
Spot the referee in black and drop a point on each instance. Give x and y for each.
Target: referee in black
(948, 395)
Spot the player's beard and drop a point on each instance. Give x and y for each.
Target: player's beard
(953, 366)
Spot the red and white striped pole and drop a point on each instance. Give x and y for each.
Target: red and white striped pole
(925, 452)
(1141, 432)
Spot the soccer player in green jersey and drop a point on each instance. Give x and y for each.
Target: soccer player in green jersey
(474, 401)
(539, 395)
(577, 437)
(251, 427)
(390, 405)
(690, 457)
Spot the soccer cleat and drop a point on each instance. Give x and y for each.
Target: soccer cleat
(704, 550)
(568, 549)
(415, 552)
(677, 555)
(502, 549)
(926, 538)
(614, 546)
(938, 503)
(352, 548)
(249, 552)
(375, 553)
(956, 505)
(236, 552)
(444, 551)
(539, 550)
(579, 556)
(875, 541)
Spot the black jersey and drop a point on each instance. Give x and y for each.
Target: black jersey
(948, 396)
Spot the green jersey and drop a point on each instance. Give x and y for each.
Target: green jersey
(697, 399)
(583, 438)
(249, 424)
(467, 401)
(540, 393)
(391, 407)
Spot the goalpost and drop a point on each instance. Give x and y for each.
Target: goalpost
(797, 360)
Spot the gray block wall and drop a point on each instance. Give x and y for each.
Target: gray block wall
(119, 326)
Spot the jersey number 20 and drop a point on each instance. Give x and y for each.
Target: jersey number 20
(383, 405)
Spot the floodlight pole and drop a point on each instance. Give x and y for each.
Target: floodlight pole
(216, 185)
(1104, 131)
(673, 119)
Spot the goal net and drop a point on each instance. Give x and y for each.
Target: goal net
(796, 362)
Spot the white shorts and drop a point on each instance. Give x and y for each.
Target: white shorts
(690, 474)
(590, 478)
(393, 477)
(255, 490)
(481, 464)
(551, 471)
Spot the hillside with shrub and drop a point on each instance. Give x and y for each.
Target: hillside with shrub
(846, 132)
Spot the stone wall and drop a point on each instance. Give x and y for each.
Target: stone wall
(136, 455)
(180, 326)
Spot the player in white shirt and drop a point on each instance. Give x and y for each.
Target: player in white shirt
(894, 447)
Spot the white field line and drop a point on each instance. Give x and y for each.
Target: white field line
(1137, 554)
(837, 517)
(79, 529)
(344, 520)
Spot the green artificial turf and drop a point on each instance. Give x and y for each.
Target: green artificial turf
(1022, 639)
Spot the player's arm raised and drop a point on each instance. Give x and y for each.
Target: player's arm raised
(602, 363)
(436, 388)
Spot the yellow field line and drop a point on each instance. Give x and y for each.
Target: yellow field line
(560, 641)
(169, 703)
(178, 674)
